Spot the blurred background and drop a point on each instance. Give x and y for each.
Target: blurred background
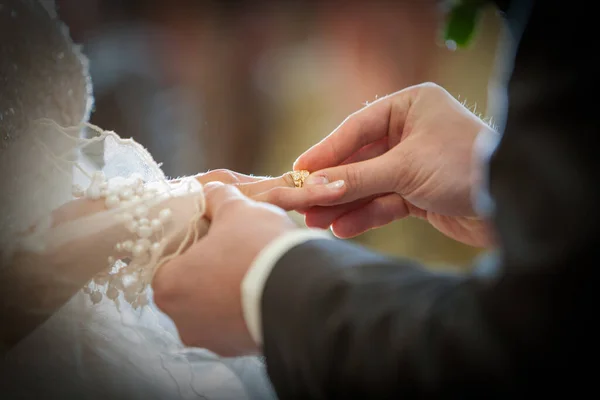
(249, 86)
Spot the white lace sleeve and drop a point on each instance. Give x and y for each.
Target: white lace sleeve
(80, 240)
(85, 260)
(131, 220)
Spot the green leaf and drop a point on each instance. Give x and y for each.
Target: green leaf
(462, 23)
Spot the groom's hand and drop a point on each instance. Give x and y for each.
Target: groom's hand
(407, 154)
(200, 290)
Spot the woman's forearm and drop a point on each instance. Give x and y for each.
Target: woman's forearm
(35, 284)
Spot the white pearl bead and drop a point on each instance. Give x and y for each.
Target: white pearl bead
(135, 199)
(126, 194)
(138, 250)
(141, 247)
(165, 214)
(141, 211)
(129, 194)
(127, 245)
(145, 243)
(144, 231)
(78, 191)
(132, 226)
(93, 193)
(155, 248)
(126, 217)
(112, 201)
(156, 225)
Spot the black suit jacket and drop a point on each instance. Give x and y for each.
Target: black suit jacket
(341, 322)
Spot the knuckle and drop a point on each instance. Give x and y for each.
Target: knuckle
(288, 180)
(225, 176)
(313, 191)
(353, 178)
(212, 186)
(432, 89)
(393, 210)
(429, 86)
(217, 190)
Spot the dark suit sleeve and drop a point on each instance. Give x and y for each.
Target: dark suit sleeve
(342, 322)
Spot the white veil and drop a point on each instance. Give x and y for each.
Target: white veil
(72, 265)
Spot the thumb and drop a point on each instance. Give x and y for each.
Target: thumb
(167, 280)
(219, 198)
(362, 179)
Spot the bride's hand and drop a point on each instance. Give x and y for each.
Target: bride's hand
(279, 191)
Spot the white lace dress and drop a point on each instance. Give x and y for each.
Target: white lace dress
(108, 341)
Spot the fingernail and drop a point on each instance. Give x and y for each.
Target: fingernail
(316, 180)
(335, 185)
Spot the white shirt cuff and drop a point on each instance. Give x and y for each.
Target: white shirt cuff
(260, 269)
(485, 145)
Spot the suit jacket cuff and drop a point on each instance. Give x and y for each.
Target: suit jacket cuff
(256, 277)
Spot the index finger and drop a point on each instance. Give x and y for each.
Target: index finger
(221, 175)
(358, 130)
(255, 188)
(226, 176)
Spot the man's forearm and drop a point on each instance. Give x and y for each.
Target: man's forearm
(340, 321)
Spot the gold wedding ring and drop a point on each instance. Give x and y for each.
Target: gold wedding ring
(298, 177)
